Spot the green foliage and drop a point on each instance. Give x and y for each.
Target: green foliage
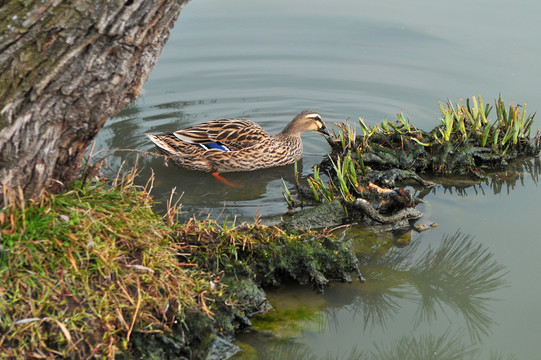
(464, 142)
(81, 272)
(470, 123)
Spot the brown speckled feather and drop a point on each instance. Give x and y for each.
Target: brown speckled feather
(235, 132)
(250, 147)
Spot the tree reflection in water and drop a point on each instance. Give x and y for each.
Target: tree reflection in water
(457, 276)
(427, 347)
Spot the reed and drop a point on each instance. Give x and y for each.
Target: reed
(470, 124)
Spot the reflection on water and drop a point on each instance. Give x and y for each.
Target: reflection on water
(425, 347)
(496, 182)
(453, 281)
(459, 275)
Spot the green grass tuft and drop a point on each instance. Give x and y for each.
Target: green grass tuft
(81, 271)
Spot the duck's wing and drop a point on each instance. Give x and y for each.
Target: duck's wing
(234, 134)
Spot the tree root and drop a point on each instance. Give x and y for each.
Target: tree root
(407, 213)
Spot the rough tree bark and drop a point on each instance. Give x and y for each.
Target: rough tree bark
(65, 67)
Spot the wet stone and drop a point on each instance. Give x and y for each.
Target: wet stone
(323, 215)
(221, 348)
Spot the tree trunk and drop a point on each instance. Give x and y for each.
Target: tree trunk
(65, 67)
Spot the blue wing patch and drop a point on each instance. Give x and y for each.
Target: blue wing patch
(216, 145)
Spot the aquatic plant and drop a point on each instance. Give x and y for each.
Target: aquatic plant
(464, 142)
(361, 169)
(470, 123)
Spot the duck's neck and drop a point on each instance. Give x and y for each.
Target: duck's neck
(290, 131)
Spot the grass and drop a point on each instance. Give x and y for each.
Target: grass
(81, 271)
(459, 123)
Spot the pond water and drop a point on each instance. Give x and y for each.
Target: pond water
(469, 288)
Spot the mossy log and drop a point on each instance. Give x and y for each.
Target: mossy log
(65, 67)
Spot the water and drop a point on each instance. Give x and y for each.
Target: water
(268, 61)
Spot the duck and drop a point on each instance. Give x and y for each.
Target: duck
(236, 145)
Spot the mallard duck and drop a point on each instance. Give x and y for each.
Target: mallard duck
(228, 145)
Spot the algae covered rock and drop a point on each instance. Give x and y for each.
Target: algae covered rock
(320, 216)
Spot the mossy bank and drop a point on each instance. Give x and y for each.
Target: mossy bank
(94, 272)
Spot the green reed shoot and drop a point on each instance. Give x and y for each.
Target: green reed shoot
(477, 113)
(314, 187)
(385, 126)
(461, 122)
(485, 136)
(318, 187)
(340, 175)
(287, 196)
(347, 135)
(447, 122)
(495, 138)
(351, 171)
(405, 123)
(367, 131)
(345, 173)
(513, 123)
(360, 162)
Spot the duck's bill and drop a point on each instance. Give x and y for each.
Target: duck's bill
(324, 131)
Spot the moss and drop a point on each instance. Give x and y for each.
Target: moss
(248, 352)
(268, 254)
(295, 309)
(324, 215)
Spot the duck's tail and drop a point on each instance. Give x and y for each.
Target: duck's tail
(163, 145)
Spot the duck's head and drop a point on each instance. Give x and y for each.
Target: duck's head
(307, 120)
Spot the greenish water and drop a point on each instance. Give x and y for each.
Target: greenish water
(267, 61)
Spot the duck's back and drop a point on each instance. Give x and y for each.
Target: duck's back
(235, 134)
